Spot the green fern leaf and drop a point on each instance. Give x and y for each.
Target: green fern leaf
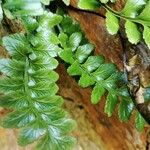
(31, 133)
(146, 35)
(112, 23)
(132, 32)
(74, 40)
(133, 8)
(97, 93)
(104, 71)
(104, 1)
(19, 119)
(74, 69)
(144, 16)
(16, 45)
(111, 103)
(83, 52)
(46, 143)
(14, 101)
(125, 109)
(88, 4)
(46, 2)
(93, 62)
(23, 8)
(67, 2)
(7, 84)
(140, 122)
(30, 23)
(63, 38)
(67, 56)
(86, 80)
(49, 20)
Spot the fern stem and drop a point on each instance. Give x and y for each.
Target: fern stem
(26, 76)
(26, 87)
(119, 15)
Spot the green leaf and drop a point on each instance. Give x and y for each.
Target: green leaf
(14, 101)
(45, 143)
(46, 2)
(83, 52)
(11, 67)
(133, 8)
(8, 14)
(31, 133)
(63, 38)
(44, 62)
(54, 39)
(43, 87)
(7, 84)
(104, 1)
(52, 115)
(93, 62)
(111, 103)
(18, 119)
(139, 122)
(89, 4)
(67, 56)
(16, 43)
(86, 80)
(125, 110)
(30, 23)
(52, 101)
(132, 32)
(66, 143)
(97, 93)
(67, 2)
(113, 1)
(24, 7)
(111, 82)
(124, 92)
(74, 40)
(104, 71)
(112, 23)
(50, 19)
(43, 74)
(74, 69)
(144, 17)
(146, 35)
(64, 125)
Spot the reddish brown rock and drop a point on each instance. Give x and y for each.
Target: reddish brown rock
(95, 130)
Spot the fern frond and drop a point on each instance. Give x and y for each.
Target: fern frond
(93, 71)
(135, 14)
(17, 8)
(137, 21)
(29, 86)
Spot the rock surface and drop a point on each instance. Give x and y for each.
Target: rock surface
(95, 130)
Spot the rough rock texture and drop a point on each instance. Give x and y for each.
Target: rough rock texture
(95, 130)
